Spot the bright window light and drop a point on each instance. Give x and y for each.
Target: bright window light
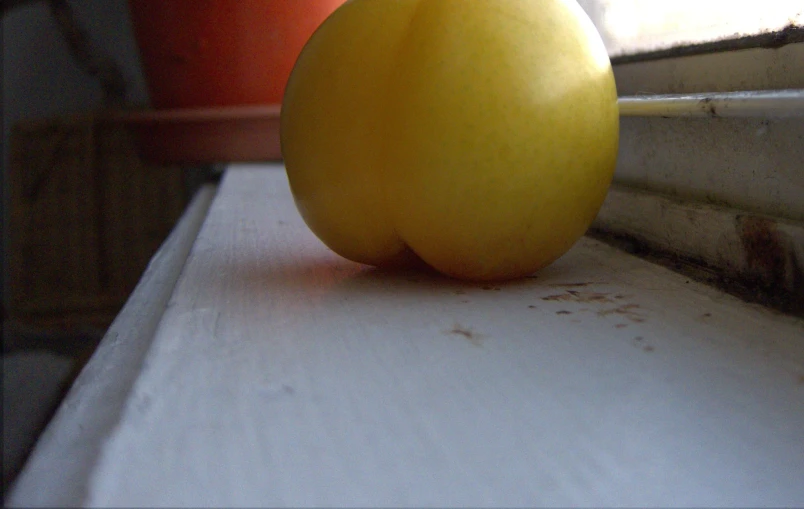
(634, 26)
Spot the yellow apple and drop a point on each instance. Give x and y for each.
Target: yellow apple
(479, 136)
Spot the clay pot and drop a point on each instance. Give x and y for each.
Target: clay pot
(203, 53)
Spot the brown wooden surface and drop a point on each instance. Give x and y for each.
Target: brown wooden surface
(86, 216)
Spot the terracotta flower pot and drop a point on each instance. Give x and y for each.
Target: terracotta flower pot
(204, 53)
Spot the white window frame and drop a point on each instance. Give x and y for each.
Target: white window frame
(712, 140)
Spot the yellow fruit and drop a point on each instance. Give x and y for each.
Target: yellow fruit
(478, 135)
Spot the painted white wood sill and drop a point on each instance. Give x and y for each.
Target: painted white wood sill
(254, 367)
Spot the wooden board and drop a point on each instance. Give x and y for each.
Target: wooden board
(280, 374)
(86, 216)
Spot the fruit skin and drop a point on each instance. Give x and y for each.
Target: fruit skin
(480, 135)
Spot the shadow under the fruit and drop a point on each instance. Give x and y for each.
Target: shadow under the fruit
(374, 281)
(330, 276)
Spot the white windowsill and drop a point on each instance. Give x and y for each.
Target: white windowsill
(276, 373)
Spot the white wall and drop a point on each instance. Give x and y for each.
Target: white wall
(40, 77)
